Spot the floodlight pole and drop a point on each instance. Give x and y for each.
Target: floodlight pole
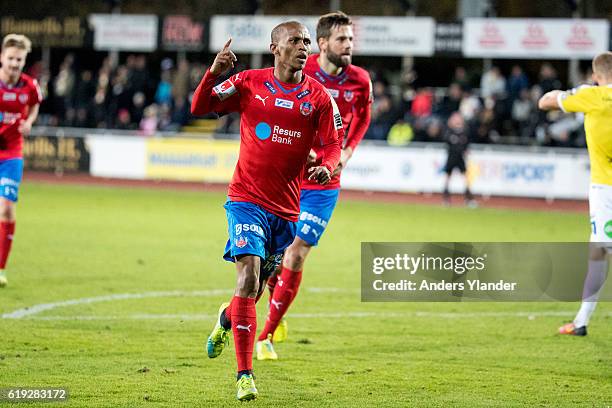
(573, 69)
(113, 55)
(257, 58)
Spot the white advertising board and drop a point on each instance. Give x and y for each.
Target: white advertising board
(124, 32)
(491, 171)
(117, 156)
(534, 38)
(373, 35)
(522, 174)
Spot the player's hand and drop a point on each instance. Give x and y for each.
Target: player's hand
(312, 157)
(25, 127)
(319, 173)
(345, 155)
(224, 60)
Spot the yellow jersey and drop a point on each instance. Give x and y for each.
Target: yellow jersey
(596, 104)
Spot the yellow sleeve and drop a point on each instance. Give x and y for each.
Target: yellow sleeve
(583, 99)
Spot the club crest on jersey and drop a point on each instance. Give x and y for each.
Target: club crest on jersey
(306, 108)
(270, 87)
(241, 242)
(23, 98)
(283, 103)
(348, 96)
(303, 94)
(334, 92)
(9, 96)
(225, 89)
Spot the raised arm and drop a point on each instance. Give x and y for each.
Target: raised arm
(208, 98)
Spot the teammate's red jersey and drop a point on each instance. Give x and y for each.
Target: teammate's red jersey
(15, 103)
(279, 124)
(352, 91)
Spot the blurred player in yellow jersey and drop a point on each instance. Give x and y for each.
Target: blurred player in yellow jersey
(596, 104)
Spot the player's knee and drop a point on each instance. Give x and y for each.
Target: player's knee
(7, 210)
(295, 256)
(248, 283)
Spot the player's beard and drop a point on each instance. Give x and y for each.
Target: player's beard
(339, 60)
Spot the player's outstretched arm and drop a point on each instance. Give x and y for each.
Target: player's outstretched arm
(550, 101)
(202, 101)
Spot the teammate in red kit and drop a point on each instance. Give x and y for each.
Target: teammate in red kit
(20, 98)
(351, 87)
(283, 113)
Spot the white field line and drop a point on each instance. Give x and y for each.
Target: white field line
(32, 311)
(352, 315)
(43, 307)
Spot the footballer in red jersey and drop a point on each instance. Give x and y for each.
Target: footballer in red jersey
(20, 98)
(351, 88)
(284, 114)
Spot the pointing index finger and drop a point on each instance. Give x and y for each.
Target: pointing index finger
(227, 44)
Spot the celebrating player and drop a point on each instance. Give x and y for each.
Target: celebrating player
(284, 113)
(20, 98)
(596, 104)
(351, 88)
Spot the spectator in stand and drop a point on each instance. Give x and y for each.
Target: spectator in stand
(139, 78)
(120, 96)
(401, 134)
(150, 121)
(181, 111)
(548, 79)
(383, 117)
(124, 120)
(523, 110)
(451, 102)
(83, 96)
(484, 128)
(163, 94)
(461, 78)
(138, 106)
(517, 83)
(493, 84)
(63, 86)
(470, 105)
(422, 103)
(430, 130)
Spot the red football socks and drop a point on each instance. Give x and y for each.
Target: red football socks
(7, 230)
(244, 326)
(285, 291)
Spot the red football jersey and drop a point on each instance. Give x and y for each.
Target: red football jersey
(15, 103)
(279, 124)
(352, 91)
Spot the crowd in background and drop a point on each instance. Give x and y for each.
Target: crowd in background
(135, 96)
(127, 97)
(501, 110)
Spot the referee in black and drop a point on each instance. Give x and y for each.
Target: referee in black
(457, 141)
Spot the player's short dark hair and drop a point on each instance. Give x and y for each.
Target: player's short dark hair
(18, 41)
(602, 64)
(331, 20)
(276, 31)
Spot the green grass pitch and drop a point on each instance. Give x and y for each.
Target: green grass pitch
(76, 242)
